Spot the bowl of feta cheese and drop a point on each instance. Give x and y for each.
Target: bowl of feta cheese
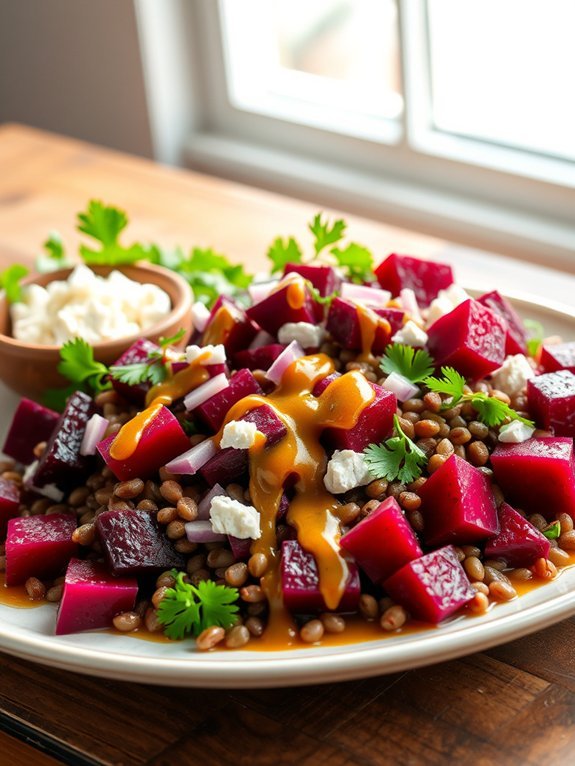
(109, 307)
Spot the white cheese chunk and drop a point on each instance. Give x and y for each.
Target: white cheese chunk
(306, 334)
(445, 302)
(515, 432)
(346, 470)
(230, 517)
(239, 434)
(209, 354)
(411, 335)
(512, 376)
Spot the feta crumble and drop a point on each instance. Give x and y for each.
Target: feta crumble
(230, 517)
(239, 434)
(512, 376)
(346, 470)
(515, 432)
(411, 335)
(306, 334)
(445, 302)
(209, 354)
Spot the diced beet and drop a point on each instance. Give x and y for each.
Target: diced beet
(321, 385)
(395, 317)
(38, 546)
(470, 338)
(229, 324)
(300, 582)
(344, 325)
(134, 543)
(425, 278)
(260, 358)
(519, 543)
(373, 425)
(9, 503)
(214, 410)
(382, 542)
(458, 505)
(61, 462)
(561, 356)
(268, 423)
(162, 440)
(240, 547)
(226, 465)
(432, 587)
(290, 303)
(516, 334)
(138, 352)
(92, 597)
(325, 279)
(551, 400)
(537, 475)
(31, 423)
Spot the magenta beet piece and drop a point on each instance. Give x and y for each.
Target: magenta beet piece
(519, 543)
(240, 547)
(458, 505)
(516, 335)
(537, 475)
(321, 385)
(561, 356)
(395, 317)
(31, 423)
(425, 278)
(134, 543)
(162, 440)
(300, 582)
(214, 410)
(266, 421)
(61, 463)
(9, 503)
(382, 542)
(136, 353)
(373, 425)
(38, 546)
(92, 597)
(324, 278)
(432, 587)
(343, 324)
(292, 303)
(260, 358)
(551, 400)
(225, 466)
(229, 324)
(470, 338)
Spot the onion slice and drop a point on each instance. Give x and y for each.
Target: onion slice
(410, 305)
(204, 505)
(191, 461)
(288, 356)
(259, 291)
(204, 392)
(200, 316)
(370, 296)
(403, 388)
(263, 338)
(94, 433)
(200, 531)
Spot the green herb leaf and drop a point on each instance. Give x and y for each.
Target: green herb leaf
(211, 274)
(164, 342)
(284, 251)
(414, 364)
(323, 300)
(77, 363)
(535, 334)
(55, 257)
(326, 234)
(553, 531)
(492, 411)
(357, 260)
(10, 280)
(398, 458)
(452, 383)
(105, 223)
(152, 371)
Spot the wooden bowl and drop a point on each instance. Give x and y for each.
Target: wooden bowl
(30, 368)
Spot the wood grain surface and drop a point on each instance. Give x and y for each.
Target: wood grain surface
(513, 705)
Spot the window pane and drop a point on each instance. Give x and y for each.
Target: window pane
(502, 70)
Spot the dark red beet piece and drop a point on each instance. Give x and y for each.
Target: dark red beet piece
(519, 543)
(458, 505)
(516, 336)
(300, 582)
(561, 356)
(260, 358)
(133, 543)
(470, 338)
(321, 385)
(432, 587)
(268, 423)
(138, 352)
(31, 423)
(38, 546)
(93, 597)
(229, 324)
(552, 401)
(425, 278)
(382, 542)
(373, 425)
(9, 503)
(214, 410)
(241, 547)
(292, 303)
(325, 279)
(343, 323)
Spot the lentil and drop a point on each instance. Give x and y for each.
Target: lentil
(544, 569)
(187, 508)
(501, 591)
(477, 454)
(312, 631)
(127, 622)
(474, 568)
(158, 595)
(252, 594)
(167, 579)
(409, 501)
(153, 625)
(479, 604)
(255, 626)
(167, 515)
(127, 490)
(567, 540)
(258, 564)
(35, 589)
(559, 557)
(368, 606)
(85, 534)
(393, 618)
(444, 447)
(171, 491)
(236, 574)
(210, 637)
(332, 623)
(435, 462)
(237, 637)
(176, 529)
(566, 522)
(54, 594)
(220, 557)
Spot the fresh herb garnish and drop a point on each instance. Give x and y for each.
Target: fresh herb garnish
(154, 369)
(398, 458)
(77, 363)
(55, 257)
(326, 234)
(104, 224)
(188, 608)
(284, 251)
(323, 300)
(414, 364)
(491, 411)
(553, 531)
(211, 274)
(10, 280)
(535, 334)
(358, 261)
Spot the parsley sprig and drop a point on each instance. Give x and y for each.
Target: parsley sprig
(104, 224)
(398, 458)
(491, 411)
(155, 369)
(10, 280)
(414, 364)
(85, 373)
(553, 530)
(188, 608)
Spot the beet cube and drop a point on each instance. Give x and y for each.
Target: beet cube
(241, 547)
(226, 465)
(432, 587)
(9, 503)
(458, 505)
(516, 334)
(133, 543)
(38, 546)
(561, 356)
(552, 401)
(268, 423)
(382, 542)
(136, 353)
(373, 425)
(425, 278)
(214, 410)
(260, 358)
(31, 423)
(321, 385)
(537, 475)
(229, 324)
(470, 338)
(325, 279)
(344, 325)
(300, 582)
(92, 597)
(291, 303)
(519, 543)
(162, 440)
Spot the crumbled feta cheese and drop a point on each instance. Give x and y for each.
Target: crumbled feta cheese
(456, 294)
(515, 432)
(445, 302)
(411, 335)
(306, 334)
(239, 434)
(513, 375)
(209, 354)
(346, 470)
(230, 517)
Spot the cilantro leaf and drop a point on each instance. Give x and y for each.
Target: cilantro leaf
(10, 281)
(414, 364)
(397, 458)
(172, 340)
(284, 251)
(105, 224)
(553, 530)
(77, 363)
(323, 300)
(211, 274)
(452, 384)
(492, 411)
(357, 260)
(324, 233)
(55, 257)
(535, 334)
(140, 372)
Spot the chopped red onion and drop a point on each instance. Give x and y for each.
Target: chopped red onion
(288, 356)
(260, 290)
(409, 304)
(204, 392)
(191, 461)
(370, 296)
(204, 505)
(263, 338)
(402, 387)
(200, 316)
(94, 433)
(200, 531)
(240, 547)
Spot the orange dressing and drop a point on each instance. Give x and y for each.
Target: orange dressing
(129, 435)
(369, 323)
(220, 327)
(296, 294)
(181, 383)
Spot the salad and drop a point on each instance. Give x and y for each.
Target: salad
(339, 441)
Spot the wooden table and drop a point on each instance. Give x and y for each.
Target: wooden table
(512, 705)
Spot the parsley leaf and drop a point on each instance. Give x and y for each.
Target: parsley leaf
(323, 300)
(452, 384)
(324, 233)
(10, 281)
(536, 334)
(397, 458)
(173, 339)
(105, 224)
(77, 363)
(553, 530)
(284, 251)
(358, 261)
(55, 257)
(140, 372)
(211, 274)
(187, 608)
(414, 364)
